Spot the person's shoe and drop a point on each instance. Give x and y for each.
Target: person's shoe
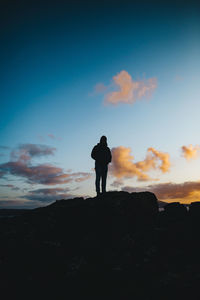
(98, 194)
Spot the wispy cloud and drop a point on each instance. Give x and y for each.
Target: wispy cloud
(25, 152)
(48, 195)
(11, 186)
(129, 90)
(41, 174)
(4, 147)
(100, 88)
(191, 152)
(53, 137)
(184, 192)
(117, 183)
(49, 136)
(17, 203)
(82, 176)
(41, 138)
(123, 166)
(21, 165)
(178, 78)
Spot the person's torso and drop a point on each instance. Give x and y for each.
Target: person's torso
(102, 154)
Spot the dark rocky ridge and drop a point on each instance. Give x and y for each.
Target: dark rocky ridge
(118, 246)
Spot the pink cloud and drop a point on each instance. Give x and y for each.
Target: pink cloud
(26, 152)
(42, 174)
(82, 176)
(21, 165)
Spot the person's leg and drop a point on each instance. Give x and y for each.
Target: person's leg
(104, 177)
(97, 182)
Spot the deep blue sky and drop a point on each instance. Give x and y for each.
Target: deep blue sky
(54, 53)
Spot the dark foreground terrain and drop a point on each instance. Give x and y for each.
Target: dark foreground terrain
(118, 246)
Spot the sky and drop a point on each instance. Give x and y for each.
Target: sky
(72, 71)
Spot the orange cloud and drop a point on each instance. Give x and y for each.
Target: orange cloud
(185, 192)
(155, 159)
(129, 89)
(123, 165)
(190, 152)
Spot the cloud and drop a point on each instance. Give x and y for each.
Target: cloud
(48, 195)
(41, 174)
(41, 138)
(11, 186)
(4, 147)
(49, 135)
(26, 152)
(184, 192)
(123, 166)
(100, 88)
(53, 137)
(155, 160)
(117, 183)
(21, 165)
(190, 152)
(129, 90)
(82, 176)
(17, 203)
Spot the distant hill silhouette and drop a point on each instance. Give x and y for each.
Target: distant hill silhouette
(117, 246)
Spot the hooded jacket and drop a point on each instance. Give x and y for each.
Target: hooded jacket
(101, 154)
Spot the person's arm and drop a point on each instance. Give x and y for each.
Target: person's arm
(109, 156)
(93, 153)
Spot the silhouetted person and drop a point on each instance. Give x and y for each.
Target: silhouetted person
(102, 156)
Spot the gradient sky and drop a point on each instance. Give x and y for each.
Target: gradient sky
(71, 72)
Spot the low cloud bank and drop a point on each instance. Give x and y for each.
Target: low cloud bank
(17, 204)
(21, 165)
(49, 194)
(185, 192)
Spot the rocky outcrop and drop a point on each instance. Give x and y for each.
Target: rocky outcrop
(117, 246)
(175, 210)
(194, 210)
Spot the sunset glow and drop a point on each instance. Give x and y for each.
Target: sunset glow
(72, 74)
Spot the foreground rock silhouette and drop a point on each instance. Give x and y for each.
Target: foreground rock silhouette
(117, 246)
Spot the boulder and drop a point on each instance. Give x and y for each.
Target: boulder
(194, 209)
(175, 210)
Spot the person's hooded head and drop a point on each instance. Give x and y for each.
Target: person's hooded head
(103, 140)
